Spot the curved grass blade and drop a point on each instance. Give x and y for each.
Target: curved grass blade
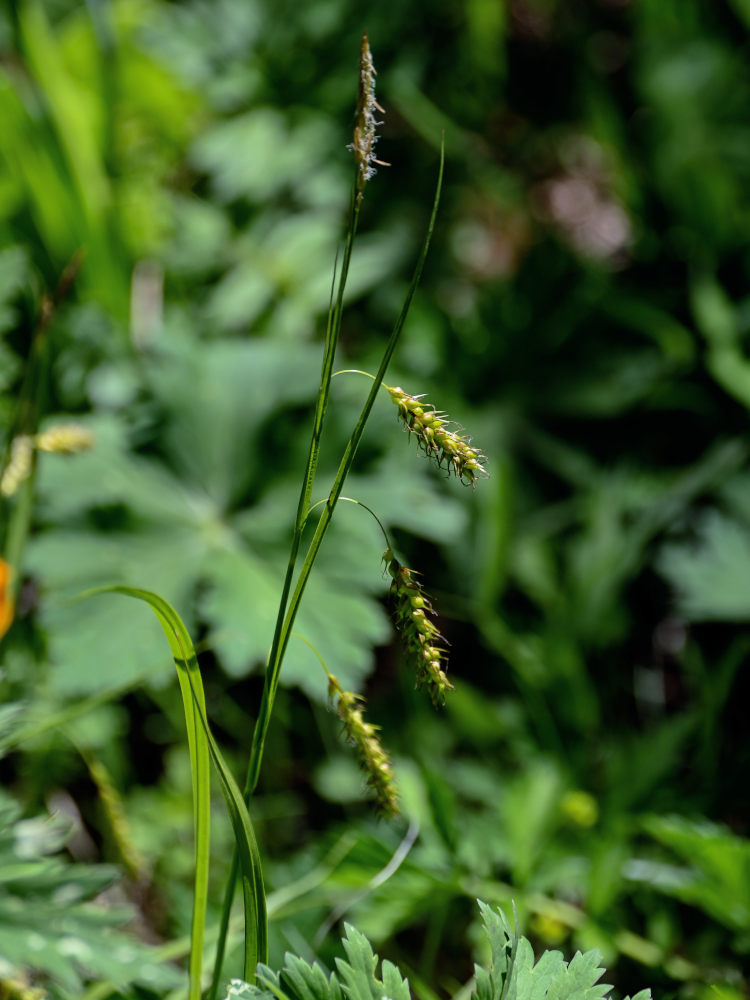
(203, 748)
(253, 891)
(200, 767)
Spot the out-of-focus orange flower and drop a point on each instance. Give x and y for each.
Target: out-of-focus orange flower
(6, 600)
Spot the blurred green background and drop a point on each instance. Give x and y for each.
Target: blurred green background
(584, 314)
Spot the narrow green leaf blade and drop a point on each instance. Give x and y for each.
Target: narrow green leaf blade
(194, 704)
(253, 892)
(202, 747)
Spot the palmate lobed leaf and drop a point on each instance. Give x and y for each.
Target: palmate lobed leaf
(172, 538)
(240, 605)
(113, 514)
(49, 922)
(512, 974)
(82, 638)
(358, 974)
(256, 155)
(217, 397)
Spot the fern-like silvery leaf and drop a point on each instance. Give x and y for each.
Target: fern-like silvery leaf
(300, 981)
(533, 981)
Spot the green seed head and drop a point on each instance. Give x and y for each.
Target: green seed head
(421, 637)
(436, 439)
(363, 736)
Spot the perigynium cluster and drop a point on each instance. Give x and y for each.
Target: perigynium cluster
(363, 736)
(18, 468)
(365, 135)
(421, 636)
(436, 438)
(64, 438)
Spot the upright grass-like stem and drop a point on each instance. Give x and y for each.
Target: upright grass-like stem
(333, 327)
(288, 607)
(274, 666)
(362, 148)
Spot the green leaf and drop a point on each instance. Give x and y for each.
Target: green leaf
(218, 396)
(715, 875)
(14, 269)
(307, 982)
(48, 918)
(358, 975)
(512, 974)
(495, 982)
(241, 602)
(710, 574)
(82, 638)
(194, 704)
(202, 745)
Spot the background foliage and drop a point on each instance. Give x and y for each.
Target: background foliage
(584, 312)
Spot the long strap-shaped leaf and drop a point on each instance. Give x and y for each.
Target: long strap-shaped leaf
(203, 748)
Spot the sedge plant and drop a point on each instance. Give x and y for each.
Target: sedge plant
(412, 609)
(513, 972)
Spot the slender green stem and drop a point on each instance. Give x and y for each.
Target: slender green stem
(369, 511)
(320, 658)
(321, 406)
(333, 327)
(352, 371)
(288, 608)
(274, 666)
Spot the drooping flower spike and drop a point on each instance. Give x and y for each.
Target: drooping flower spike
(413, 616)
(65, 438)
(363, 736)
(435, 437)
